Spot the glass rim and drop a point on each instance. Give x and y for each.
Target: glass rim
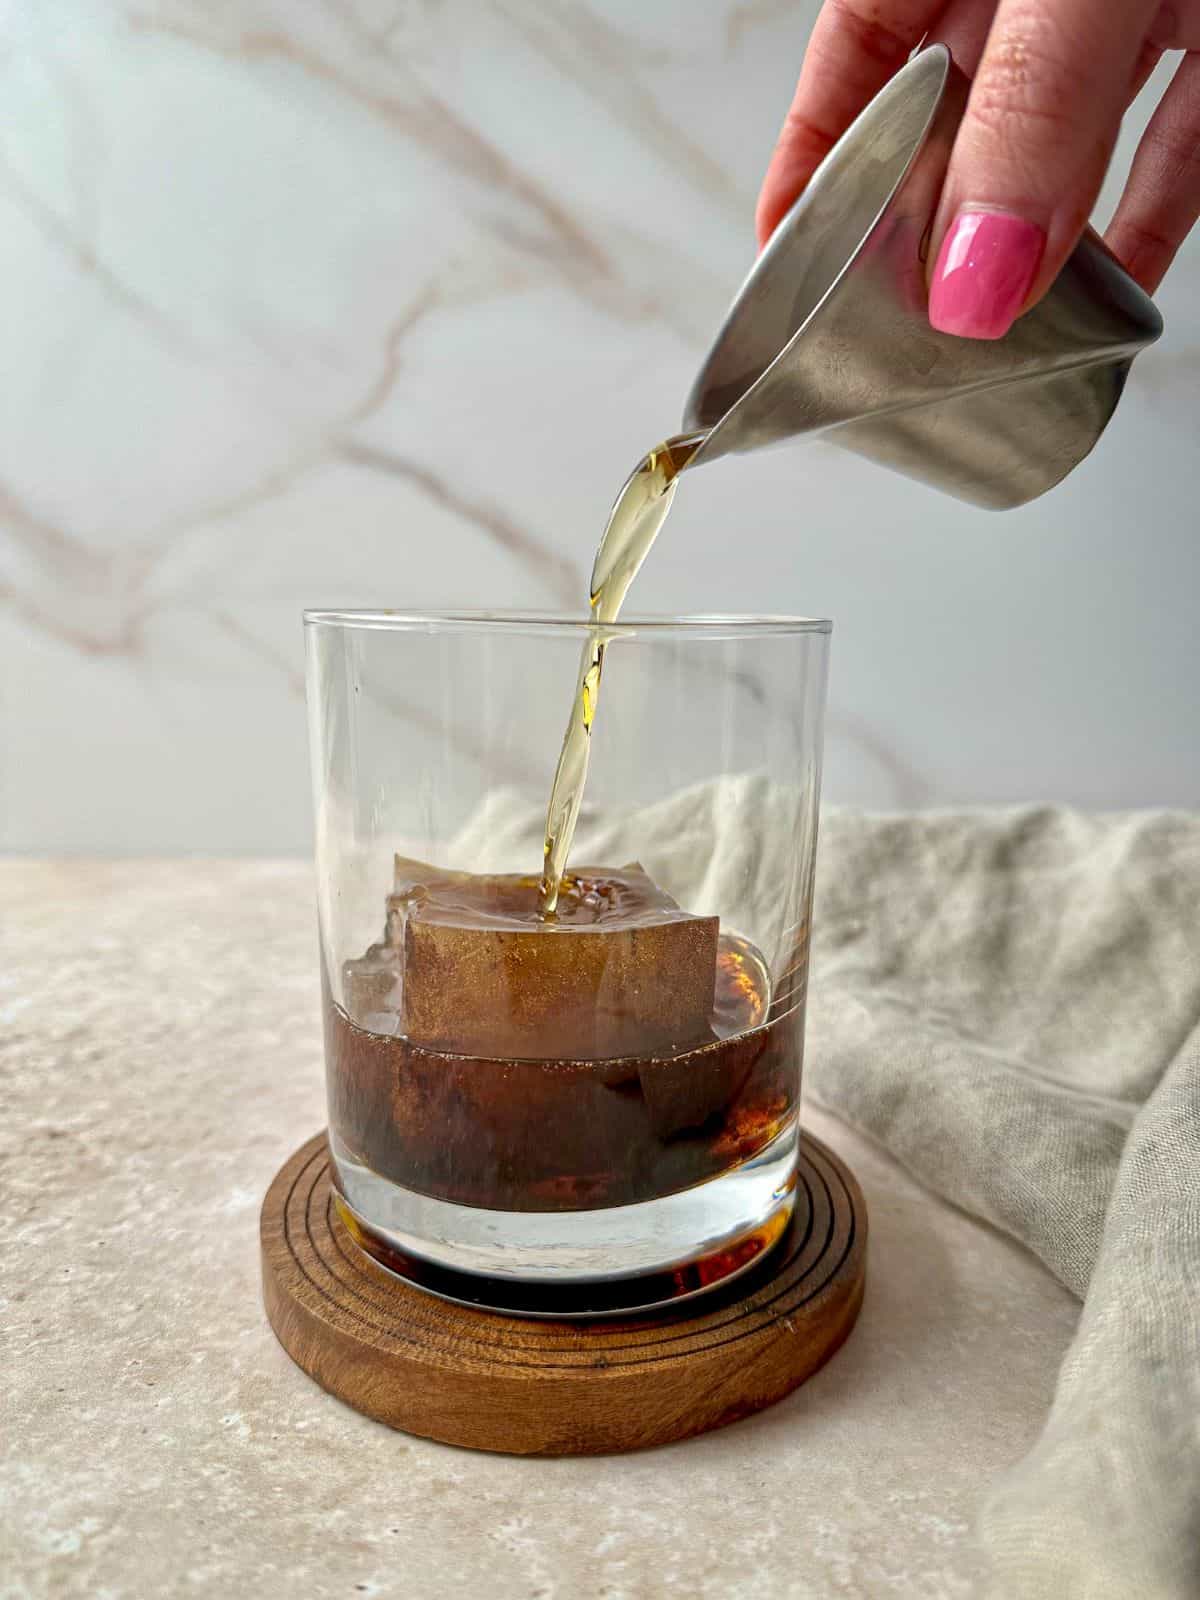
(714, 625)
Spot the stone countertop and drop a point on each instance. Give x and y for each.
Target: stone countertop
(162, 1058)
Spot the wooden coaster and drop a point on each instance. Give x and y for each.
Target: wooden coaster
(492, 1382)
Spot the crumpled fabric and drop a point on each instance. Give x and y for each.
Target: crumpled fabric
(1009, 1001)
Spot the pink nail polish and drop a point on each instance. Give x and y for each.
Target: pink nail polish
(984, 269)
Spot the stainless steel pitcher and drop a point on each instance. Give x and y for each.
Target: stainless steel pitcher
(830, 331)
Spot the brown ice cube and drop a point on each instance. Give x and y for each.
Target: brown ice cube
(687, 1092)
(548, 1135)
(621, 970)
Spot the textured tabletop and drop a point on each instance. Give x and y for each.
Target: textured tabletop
(162, 1058)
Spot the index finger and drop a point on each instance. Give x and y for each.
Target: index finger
(856, 46)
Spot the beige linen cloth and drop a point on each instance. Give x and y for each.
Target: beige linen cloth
(1009, 1001)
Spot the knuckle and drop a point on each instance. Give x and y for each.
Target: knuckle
(802, 137)
(863, 21)
(1026, 78)
(1176, 151)
(1145, 251)
(1146, 240)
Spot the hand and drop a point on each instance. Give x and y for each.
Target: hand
(1052, 79)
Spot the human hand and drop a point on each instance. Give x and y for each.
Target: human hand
(1052, 79)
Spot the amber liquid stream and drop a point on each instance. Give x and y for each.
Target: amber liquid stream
(633, 524)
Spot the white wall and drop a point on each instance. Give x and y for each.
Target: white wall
(314, 303)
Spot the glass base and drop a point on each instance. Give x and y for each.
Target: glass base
(576, 1263)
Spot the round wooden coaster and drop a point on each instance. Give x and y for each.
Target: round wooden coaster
(492, 1382)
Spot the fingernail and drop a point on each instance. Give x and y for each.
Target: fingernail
(983, 273)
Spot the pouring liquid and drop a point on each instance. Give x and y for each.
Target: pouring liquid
(638, 513)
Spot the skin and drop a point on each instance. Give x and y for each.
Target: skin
(1051, 82)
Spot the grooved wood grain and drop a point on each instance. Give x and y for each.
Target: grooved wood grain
(490, 1382)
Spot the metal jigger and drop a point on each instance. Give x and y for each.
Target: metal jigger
(830, 331)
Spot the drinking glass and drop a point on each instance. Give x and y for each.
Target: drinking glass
(556, 1119)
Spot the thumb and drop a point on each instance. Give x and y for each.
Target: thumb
(1035, 141)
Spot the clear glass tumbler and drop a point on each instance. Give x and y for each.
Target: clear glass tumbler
(599, 1112)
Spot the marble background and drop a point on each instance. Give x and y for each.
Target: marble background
(318, 302)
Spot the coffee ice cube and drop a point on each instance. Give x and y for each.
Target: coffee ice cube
(685, 1093)
(620, 970)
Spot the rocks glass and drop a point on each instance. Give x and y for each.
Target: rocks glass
(596, 1112)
